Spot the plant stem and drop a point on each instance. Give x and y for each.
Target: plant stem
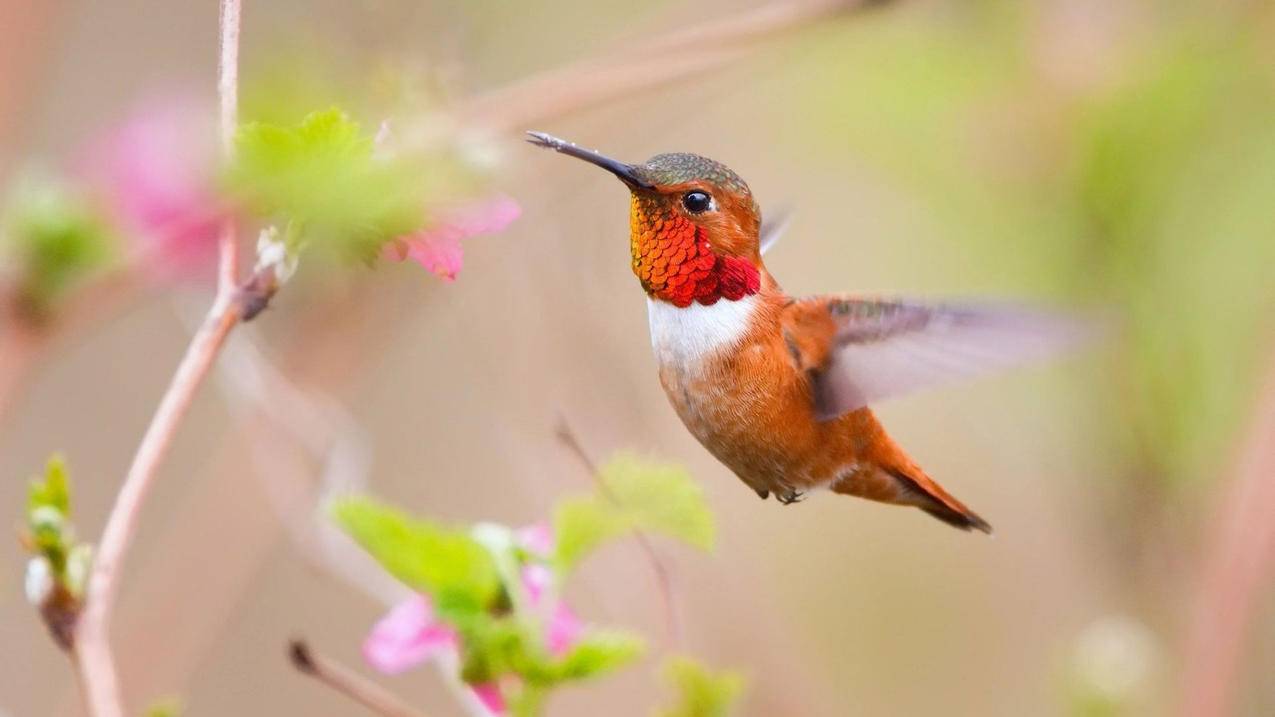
(663, 577)
(93, 658)
(1237, 567)
(347, 682)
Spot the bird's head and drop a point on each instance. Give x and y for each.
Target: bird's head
(693, 225)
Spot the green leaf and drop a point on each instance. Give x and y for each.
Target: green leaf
(448, 565)
(599, 652)
(170, 707)
(55, 240)
(633, 494)
(322, 174)
(700, 693)
(582, 524)
(52, 490)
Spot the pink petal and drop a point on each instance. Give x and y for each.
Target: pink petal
(407, 636)
(489, 695)
(563, 631)
(437, 247)
(536, 538)
(536, 580)
(156, 175)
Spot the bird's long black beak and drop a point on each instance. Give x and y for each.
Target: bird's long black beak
(626, 172)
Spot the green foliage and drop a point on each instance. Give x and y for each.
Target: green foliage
(48, 515)
(700, 693)
(633, 495)
(598, 653)
(55, 240)
(165, 708)
(448, 565)
(49, 533)
(323, 176)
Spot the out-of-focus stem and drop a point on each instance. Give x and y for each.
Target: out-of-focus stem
(93, 657)
(347, 682)
(1238, 564)
(663, 577)
(228, 92)
(657, 62)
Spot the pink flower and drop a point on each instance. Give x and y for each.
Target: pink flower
(563, 631)
(156, 175)
(411, 633)
(536, 538)
(407, 636)
(437, 247)
(537, 579)
(491, 698)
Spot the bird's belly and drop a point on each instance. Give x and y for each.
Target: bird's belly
(739, 393)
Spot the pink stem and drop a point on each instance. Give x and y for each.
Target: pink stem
(1239, 560)
(93, 659)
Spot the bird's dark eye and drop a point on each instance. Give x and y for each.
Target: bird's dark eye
(696, 202)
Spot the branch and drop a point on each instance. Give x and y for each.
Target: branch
(1236, 570)
(93, 658)
(347, 682)
(594, 80)
(663, 576)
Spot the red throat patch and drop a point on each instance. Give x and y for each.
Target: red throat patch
(675, 262)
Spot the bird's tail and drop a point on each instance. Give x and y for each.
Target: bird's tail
(892, 477)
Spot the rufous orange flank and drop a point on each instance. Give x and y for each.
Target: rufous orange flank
(776, 387)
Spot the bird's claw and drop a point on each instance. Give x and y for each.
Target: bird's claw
(790, 496)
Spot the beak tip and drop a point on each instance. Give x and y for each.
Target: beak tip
(544, 139)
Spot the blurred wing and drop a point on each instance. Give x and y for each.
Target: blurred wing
(773, 228)
(877, 349)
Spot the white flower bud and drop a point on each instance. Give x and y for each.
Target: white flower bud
(39, 580)
(496, 538)
(273, 254)
(78, 563)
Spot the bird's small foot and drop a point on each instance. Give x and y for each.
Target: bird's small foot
(790, 496)
(762, 493)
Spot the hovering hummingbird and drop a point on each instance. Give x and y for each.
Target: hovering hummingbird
(775, 387)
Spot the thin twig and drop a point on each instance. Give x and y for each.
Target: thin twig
(1237, 568)
(663, 576)
(348, 682)
(228, 92)
(93, 658)
(590, 82)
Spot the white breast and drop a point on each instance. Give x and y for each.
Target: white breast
(685, 336)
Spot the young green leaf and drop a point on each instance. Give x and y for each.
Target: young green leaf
(322, 175)
(448, 565)
(634, 495)
(661, 498)
(700, 693)
(599, 652)
(55, 240)
(52, 490)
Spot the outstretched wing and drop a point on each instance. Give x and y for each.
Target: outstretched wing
(859, 351)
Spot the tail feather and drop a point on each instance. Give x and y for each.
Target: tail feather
(930, 497)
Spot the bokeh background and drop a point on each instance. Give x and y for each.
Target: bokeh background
(1115, 155)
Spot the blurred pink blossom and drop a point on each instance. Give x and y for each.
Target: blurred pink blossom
(437, 247)
(407, 636)
(563, 631)
(411, 633)
(490, 697)
(536, 538)
(156, 174)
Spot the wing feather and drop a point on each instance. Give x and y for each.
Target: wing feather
(880, 348)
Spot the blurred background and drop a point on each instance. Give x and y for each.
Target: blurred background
(1114, 155)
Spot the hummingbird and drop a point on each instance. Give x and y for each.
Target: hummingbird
(777, 387)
